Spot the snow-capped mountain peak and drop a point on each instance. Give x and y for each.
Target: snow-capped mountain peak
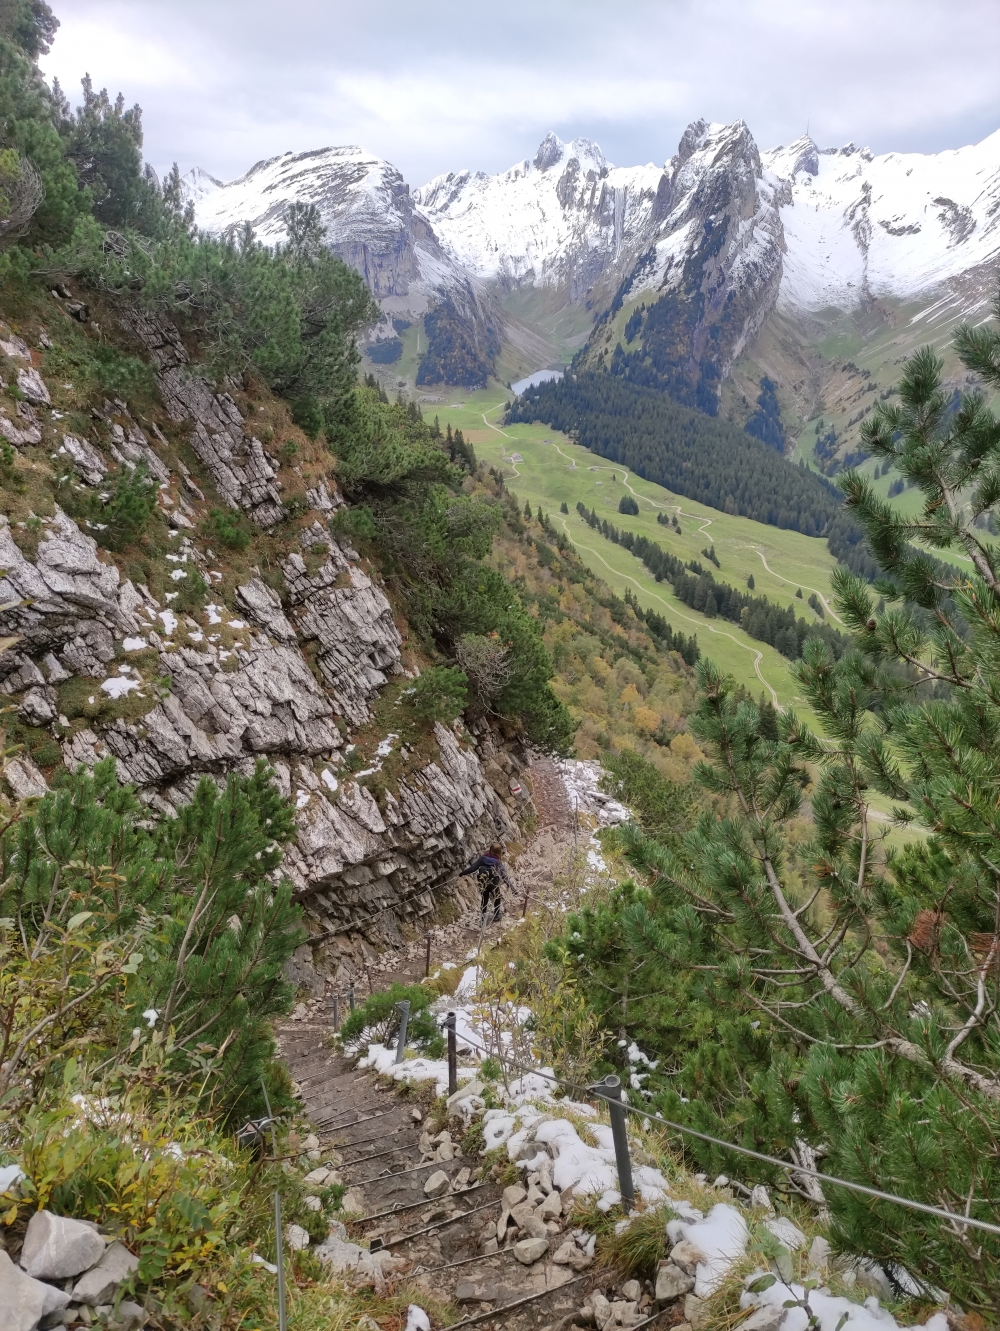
(860, 226)
(713, 239)
(558, 218)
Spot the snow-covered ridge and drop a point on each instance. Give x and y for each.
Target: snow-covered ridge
(858, 226)
(810, 227)
(564, 214)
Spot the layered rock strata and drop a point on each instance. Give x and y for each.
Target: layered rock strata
(172, 697)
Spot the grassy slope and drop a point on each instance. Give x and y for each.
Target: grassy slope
(547, 476)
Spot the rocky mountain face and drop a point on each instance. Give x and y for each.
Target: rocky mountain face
(858, 227)
(678, 266)
(172, 696)
(703, 277)
(561, 219)
(372, 222)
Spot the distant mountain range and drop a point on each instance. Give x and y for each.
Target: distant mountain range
(667, 275)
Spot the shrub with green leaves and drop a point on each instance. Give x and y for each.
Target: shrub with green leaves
(440, 694)
(228, 528)
(107, 917)
(132, 503)
(377, 1020)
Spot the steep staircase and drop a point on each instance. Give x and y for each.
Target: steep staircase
(426, 1203)
(508, 1257)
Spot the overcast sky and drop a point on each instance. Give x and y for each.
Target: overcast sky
(438, 85)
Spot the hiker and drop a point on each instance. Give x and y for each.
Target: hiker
(490, 869)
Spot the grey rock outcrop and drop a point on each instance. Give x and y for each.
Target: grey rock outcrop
(33, 386)
(708, 264)
(349, 619)
(244, 475)
(26, 1301)
(84, 458)
(56, 1247)
(286, 678)
(100, 1284)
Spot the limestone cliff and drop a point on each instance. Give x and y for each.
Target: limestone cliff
(245, 675)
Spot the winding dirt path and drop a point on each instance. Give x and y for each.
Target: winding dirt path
(816, 590)
(703, 531)
(698, 623)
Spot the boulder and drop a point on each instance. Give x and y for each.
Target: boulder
(786, 1232)
(671, 1282)
(568, 1254)
(760, 1197)
(127, 1317)
(56, 1247)
(514, 1196)
(321, 1177)
(767, 1318)
(24, 781)
(600, 1309)
(528, 1251)
(32, 385)
(466, 1092)
(100, 1283)
(695, 1312)
(819, 1254)
(545, 1175)
(296, 1237)
(437, 1185)
(551, 1207)
(632, 1290)
(625, 1313)
(528, 1222)
(686, 1255)
(38, 706)
(25, 1301)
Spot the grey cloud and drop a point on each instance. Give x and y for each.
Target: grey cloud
(445, 84)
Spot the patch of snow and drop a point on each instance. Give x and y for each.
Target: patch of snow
(177, 575)
(722, 1239)
(302, 799)
(417, 1319)
(830, 1311)
(214, 617)
(119, 685)
(9, 1175)
(135, 644)
(328, 779)
(169, 621)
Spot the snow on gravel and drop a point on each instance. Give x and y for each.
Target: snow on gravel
(582, 781)
(830, 1311)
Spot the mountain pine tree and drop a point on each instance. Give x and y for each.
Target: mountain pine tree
(170, 937)
(843, 1001)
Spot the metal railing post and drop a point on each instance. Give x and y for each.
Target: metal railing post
(278, 1241)
(610, 1089)
(336, 1012)
(452, 1054)
(350, 995)
(427, 963)
(280, 1254)
(404, 1017)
